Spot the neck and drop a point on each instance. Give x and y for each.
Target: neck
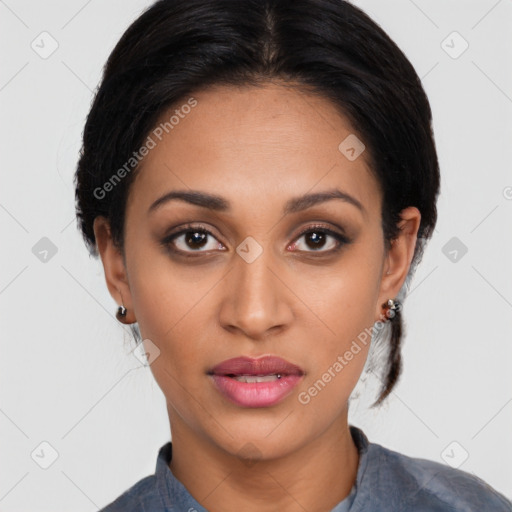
(222, 481)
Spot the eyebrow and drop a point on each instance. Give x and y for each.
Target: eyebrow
(218, 203)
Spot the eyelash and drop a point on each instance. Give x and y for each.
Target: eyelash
(167, 242)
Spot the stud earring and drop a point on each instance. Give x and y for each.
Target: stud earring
(121, 310)
(121, 313)
(392, 307)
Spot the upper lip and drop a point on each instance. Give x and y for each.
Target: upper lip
(266, 365)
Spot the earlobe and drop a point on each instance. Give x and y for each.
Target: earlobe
(115, 270)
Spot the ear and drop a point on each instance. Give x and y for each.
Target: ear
(114, 267)
(399, 257)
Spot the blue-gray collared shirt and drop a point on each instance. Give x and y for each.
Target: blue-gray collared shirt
(387, 481)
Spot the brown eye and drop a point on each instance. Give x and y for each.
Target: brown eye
(320, 239)
(192, 239)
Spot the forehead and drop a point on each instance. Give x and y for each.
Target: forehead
(252, 143)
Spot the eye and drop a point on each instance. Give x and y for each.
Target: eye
(317, 239)
(193, 238)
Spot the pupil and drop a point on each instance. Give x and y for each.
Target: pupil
(317, 238)
(198, 242)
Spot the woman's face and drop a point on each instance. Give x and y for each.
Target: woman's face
(254, 285)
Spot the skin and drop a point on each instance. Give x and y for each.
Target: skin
(257, 148)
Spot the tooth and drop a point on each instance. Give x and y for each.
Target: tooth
(257, 378)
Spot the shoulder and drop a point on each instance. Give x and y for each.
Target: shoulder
(421, 485)
(148, 493)
(141, 496)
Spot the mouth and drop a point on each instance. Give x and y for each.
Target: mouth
(261, 382)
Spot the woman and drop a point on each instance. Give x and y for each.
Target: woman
(259, 179)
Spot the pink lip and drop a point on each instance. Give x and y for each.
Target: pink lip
(255, 394)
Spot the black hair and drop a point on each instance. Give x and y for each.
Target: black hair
(327, 47)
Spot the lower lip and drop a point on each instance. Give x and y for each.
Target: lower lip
(256, 394)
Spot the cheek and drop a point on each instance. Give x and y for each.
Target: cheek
(338, 357)
(344, 304)
(166, 315)
(173, 309)
(161, 294)
(163, 308)
(344, 298)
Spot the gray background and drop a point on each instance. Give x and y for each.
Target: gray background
(67, 376)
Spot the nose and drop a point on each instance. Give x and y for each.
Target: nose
(256, 298)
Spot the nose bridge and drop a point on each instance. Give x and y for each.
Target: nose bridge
(254, 276)
(256, 293)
